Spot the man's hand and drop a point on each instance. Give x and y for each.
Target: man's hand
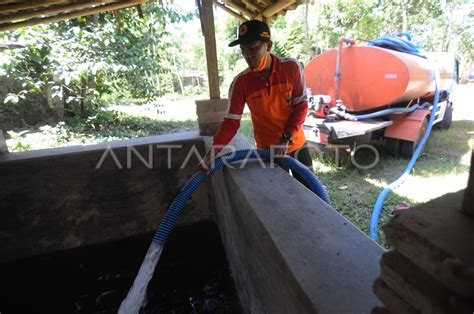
(281, 148)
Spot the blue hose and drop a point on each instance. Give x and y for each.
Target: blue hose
(398, 44)
(178, 203)
(374, 220)
(385, 112)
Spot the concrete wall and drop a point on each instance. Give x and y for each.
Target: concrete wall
(289, 252)
(56, 199)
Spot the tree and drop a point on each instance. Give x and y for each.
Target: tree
(86, 60)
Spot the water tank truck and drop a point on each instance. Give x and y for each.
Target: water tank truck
(377, 91)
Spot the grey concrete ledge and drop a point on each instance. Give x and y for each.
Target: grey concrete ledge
(80, 149)
(290, 252)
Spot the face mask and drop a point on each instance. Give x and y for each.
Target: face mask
(262, 64)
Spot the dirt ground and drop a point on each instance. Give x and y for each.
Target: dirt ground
(463, 98)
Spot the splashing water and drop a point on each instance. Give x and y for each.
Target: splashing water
(136, 297)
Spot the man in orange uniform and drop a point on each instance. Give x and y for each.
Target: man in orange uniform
(274, 90)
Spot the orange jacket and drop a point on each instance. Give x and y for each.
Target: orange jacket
(277, 104)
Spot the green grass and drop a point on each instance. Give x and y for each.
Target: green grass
(352, 195)
(246, 128)
(444, 156)
(104, 126)
(353, 192)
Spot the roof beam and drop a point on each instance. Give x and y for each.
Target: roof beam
(9, 7)
(277, 7)
(231, 12)
(71, 15)
(251, 5)
(240, 9)
(51, 10)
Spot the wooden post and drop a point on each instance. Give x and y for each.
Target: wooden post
(208, 30)
(267, 20)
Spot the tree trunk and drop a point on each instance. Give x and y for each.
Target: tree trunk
(49, 98)
(306, 5)
(55, 108)
(177, 75)
(170, 79)
(405, 8)
(83, 97)
(448, 29)
(158, 84)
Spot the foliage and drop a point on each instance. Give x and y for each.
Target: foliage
(59, 64)
(148, 51)
(434, 25)
(85, 61)
(15, 143)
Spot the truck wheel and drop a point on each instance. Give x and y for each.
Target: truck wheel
(447, 119)
(407, 148)
(392, 146)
